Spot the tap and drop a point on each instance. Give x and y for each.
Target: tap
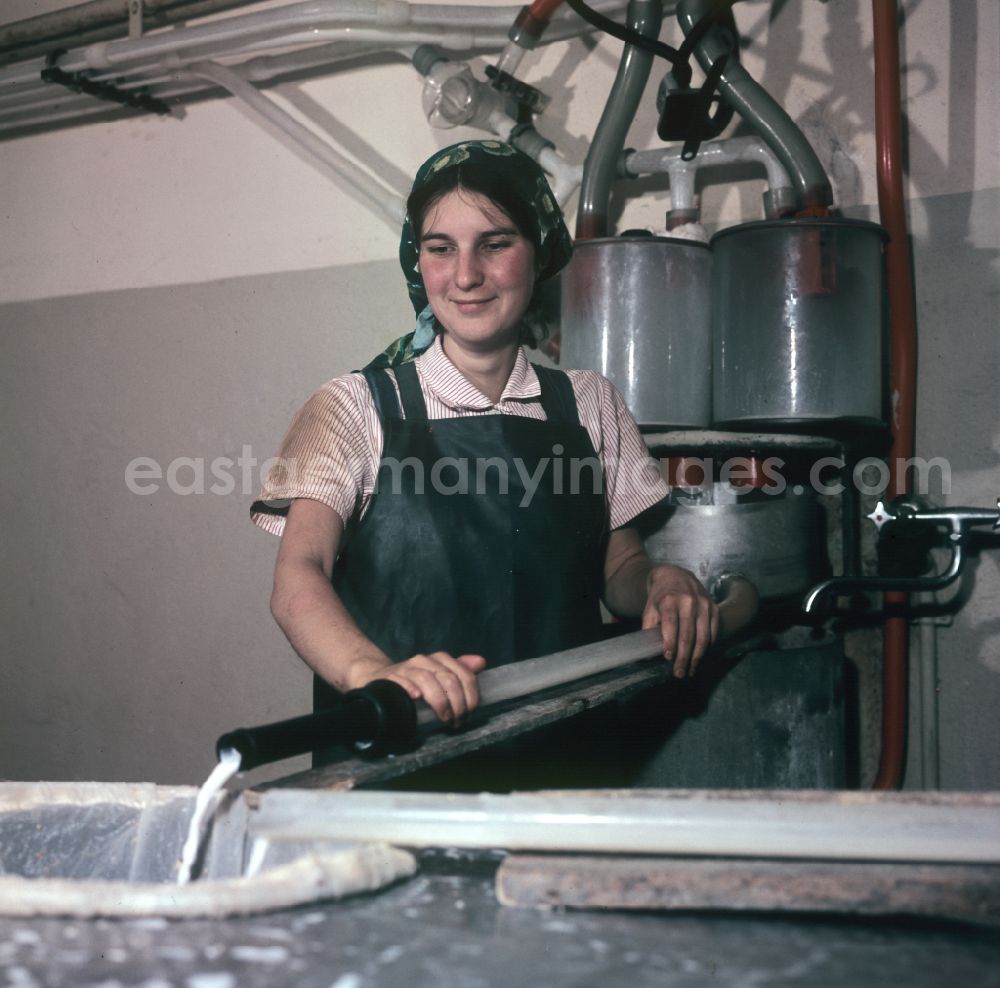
(911, 511)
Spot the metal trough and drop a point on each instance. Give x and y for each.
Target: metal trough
(98, 849)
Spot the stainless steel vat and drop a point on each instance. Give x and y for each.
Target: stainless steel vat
(777, 542)
(797, 324)
(637, 310)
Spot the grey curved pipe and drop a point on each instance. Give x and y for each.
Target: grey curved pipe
(755, 105)
(601, 167)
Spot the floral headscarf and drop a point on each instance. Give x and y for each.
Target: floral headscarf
(552, 252)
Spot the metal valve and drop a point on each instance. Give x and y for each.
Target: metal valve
(910, 511)
(959, 520)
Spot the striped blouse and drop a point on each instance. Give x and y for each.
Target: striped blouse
(332, 449)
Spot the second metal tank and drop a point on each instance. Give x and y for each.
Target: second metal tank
(797, 320)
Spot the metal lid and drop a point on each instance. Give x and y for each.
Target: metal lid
(806, 223)
(651, 239)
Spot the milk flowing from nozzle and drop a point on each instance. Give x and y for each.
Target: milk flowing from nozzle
(227, 767)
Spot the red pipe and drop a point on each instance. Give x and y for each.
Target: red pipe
(531, 22)
(902, 367)
(544, 9)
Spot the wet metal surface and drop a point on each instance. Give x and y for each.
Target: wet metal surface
(444, 928)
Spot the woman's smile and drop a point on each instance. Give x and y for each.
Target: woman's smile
(472, 304)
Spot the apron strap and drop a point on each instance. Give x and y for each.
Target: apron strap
(558, 400)
(414, 409)
(383, 394)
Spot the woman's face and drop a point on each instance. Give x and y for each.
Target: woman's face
(478, 270)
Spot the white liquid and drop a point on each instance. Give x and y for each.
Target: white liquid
(229, 765)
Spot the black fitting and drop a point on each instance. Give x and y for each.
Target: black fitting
(379, 717)
(77, 82)
(527, 97)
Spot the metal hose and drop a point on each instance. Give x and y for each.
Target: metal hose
(600, 168)
(759, 109)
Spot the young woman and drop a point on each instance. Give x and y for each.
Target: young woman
(454, 506)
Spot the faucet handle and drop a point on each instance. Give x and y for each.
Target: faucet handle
(911, 510)
(958, 519)
(880, 516)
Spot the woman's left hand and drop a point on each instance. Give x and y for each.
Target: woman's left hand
(687, 616)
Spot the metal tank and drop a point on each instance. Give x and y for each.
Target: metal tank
(778, 543)
(797, 325)
(744, 503)
(637, 310)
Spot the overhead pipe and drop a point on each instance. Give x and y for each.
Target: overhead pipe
(902, 367)
(372, 193)
(160, 76)
(756, 106)
(98, 20)
(601, 167)
(224, 36)
(277, 24)
(131, 63)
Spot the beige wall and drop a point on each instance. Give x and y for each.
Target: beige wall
(174, 288)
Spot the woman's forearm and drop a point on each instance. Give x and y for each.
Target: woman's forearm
(666, 596)
(324, 634)
(627, 587)
(319, 627)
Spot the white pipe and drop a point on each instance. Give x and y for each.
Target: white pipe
(346, 43)
(310, 17)
(502, 125)
(147, 61)
(373, 194)
(510, 58)
(161, 75)
(109, 17)
(566, 176)
(841, 826)
(50, 102)
(266, 23)
(37, 102)
(260, 69)
(458, 39)
(682, 173)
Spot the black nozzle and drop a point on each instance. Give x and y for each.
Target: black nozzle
(379, 717)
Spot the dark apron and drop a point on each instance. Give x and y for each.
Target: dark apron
(486, 535)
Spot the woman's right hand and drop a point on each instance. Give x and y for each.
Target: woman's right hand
(445, 683)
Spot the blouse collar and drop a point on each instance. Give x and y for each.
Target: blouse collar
(447, 383)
